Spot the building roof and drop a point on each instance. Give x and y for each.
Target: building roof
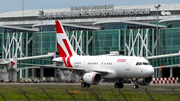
(169, 20)
(69, 25)
(129, 22)
(20, 28)
(173, 6)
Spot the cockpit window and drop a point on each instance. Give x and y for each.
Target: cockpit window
(142, 63)
(137, 63)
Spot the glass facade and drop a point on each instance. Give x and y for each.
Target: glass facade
(1, 45)
(169, 40)
(105, 41)
(14, 40)
(82, 38)
(134, 42)
(123, 26)
(173, 24)
(48, 43)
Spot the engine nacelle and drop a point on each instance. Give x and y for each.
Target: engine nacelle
(93, 78)
(144, 81)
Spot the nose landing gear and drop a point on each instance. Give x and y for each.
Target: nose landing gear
(135, 86)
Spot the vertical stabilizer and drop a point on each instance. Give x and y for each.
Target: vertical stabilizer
(64, 46)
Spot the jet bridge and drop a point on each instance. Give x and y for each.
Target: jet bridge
(7, 73)
(166, 65)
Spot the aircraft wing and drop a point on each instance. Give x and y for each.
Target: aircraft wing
(103, 72)
(62, 68)
(50, 60)
(77, 70)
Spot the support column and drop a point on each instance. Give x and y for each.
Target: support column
(41, 73)
(10, 75)
(77, 79)
(14, 73)
(54, 73)
(26, 73)
(171, 71)
(33, 72)
(20, 73)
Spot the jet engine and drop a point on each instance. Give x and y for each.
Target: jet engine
(144, 81)
(93, 78)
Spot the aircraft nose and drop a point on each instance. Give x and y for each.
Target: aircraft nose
(150, 71)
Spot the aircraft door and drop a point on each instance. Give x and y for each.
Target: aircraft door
(128, 64)
(102, 63)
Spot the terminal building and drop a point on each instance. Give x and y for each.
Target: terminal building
(150, 31)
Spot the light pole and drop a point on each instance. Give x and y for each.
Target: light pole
(23, 7)
(41, 13)
(157, 7)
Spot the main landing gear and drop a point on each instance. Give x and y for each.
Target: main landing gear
(119, 85)
(83, 85)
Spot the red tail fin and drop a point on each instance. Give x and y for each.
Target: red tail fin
(65, 49)
(64, 46)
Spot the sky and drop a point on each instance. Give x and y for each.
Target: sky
(17, 5)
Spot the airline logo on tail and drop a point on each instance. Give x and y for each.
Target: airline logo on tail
(65, 49)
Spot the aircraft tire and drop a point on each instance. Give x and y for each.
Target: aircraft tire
(116, 85)
(121, 85)
(88, 85)
(135, 86)
(83, 84)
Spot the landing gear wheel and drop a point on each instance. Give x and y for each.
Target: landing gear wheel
(83, 85)
(121, 85)
(135, 86)
(118, 85)
(88, 85)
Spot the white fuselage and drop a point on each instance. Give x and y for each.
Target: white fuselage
(119, 67)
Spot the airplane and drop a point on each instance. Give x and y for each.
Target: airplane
(93, 69)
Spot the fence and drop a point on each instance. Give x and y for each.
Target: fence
(165, 80)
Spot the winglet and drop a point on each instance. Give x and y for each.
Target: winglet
(12, 63)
